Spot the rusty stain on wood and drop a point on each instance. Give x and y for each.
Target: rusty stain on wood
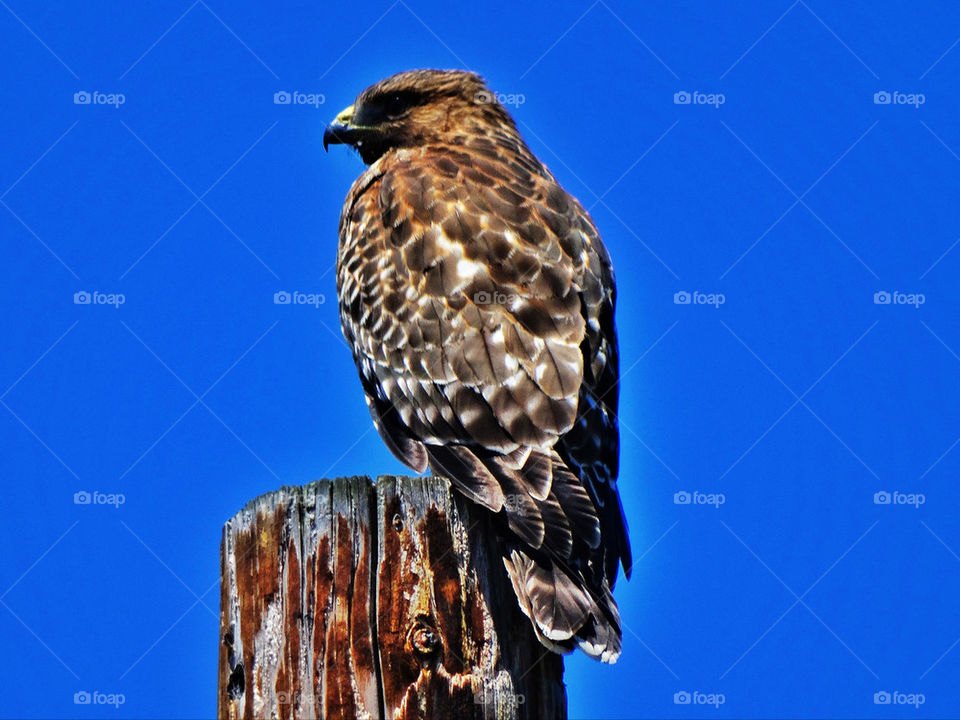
(345, 599)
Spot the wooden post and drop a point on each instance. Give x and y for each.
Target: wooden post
(345, 599)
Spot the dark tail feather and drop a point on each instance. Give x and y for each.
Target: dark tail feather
(563, 613)
(560, 567)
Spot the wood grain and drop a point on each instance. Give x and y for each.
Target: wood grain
(349, 599)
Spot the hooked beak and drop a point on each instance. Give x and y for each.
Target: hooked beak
(342, 131)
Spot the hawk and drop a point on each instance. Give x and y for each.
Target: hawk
(478, 299)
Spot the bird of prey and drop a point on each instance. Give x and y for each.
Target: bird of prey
(478, 299)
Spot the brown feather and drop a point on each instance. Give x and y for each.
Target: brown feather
(478, 298)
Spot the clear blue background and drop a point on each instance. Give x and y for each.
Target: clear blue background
(798, 398)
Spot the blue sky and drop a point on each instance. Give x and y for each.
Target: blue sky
(804, 201)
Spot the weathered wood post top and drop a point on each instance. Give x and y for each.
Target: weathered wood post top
(349, 599)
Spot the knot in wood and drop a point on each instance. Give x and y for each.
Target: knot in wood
(425, 642)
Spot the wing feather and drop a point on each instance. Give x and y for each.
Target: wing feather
(478, 299)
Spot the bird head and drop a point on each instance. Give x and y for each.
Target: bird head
(415, 108)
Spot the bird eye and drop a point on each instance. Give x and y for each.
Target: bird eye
(397, 104)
